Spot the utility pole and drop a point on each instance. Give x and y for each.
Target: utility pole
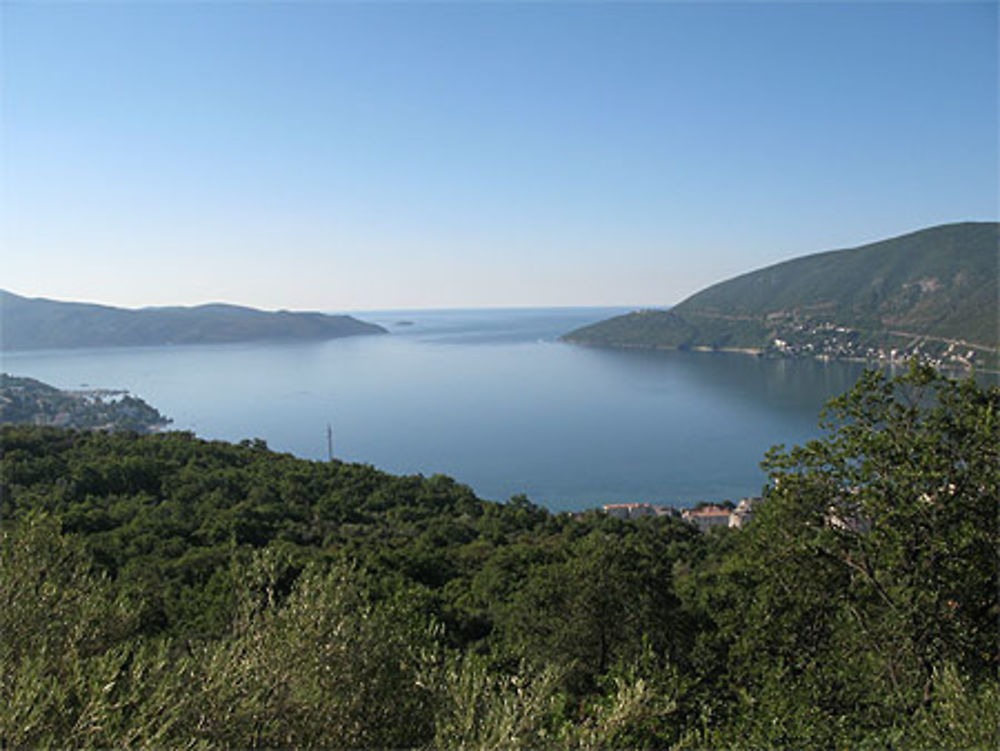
(329, 443)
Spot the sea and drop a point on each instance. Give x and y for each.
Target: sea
(489, 397)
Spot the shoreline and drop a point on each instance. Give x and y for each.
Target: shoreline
(760, 352)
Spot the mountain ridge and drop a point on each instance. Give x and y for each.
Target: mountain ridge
(40, 323)
(931, 293)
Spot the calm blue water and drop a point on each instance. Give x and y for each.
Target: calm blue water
(489, 397)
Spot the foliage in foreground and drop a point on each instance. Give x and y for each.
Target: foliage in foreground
(164, 591)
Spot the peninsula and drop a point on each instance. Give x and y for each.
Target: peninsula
(930, 294)
(25, 401)
(35, 323)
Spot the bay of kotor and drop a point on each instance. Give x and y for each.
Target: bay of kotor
(489, 397)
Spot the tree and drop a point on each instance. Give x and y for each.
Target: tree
(609, 599)
(871, 566)
(74, 668)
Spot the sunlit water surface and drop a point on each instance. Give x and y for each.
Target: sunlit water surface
(489, 397)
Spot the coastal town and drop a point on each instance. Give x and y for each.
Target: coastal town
(26, 401)
(830, 341)
(704, 516)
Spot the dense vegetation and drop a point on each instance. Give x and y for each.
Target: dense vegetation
(30, 323)
(926, 288)
(166, 591)
(27, 401)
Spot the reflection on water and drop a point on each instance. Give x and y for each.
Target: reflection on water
(793, 385)
(489, 397)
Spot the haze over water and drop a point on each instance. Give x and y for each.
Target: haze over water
(489, 397)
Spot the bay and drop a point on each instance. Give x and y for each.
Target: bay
(490, 397)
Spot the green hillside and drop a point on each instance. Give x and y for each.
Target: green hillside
(932, 292)
(161, 591)
(28, 323)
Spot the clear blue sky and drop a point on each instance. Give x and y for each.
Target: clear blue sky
(351, 156)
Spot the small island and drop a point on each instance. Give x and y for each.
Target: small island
(26, 401)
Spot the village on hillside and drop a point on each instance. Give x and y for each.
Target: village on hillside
(830, 341)
(26, 401)
(703, 516)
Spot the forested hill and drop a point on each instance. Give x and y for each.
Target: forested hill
(164, 591)
(932, 292)
(34, 323)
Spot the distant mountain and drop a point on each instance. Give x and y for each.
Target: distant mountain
(931, 293)
(27, 323)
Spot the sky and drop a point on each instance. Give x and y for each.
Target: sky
(352, 156)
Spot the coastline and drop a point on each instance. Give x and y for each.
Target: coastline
(760, 352)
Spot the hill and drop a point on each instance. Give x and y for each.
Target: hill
(168, 592)
(35, 323)
(931, 293)
(25, 401)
